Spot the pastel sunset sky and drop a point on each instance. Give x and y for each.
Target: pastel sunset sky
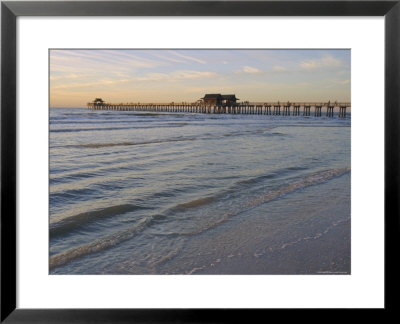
(163, 76)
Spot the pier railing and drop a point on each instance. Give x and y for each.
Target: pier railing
(273, 108)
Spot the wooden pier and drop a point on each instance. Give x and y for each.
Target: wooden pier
(273, 108)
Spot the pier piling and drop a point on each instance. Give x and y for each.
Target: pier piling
(329, 111)
(306, 110)
(317, 112)
(342, 112)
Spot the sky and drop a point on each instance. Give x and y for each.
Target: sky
(164, 76)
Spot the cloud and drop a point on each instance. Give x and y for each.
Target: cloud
(168, 58)
(250, 69)
(339, 82)
(153, 77)
(279, 68)
(90, 61)
(335, 83)
(88, 84)
(193, 74)
(65, 76)
(325, 62)
(177, 76)
(189, 58)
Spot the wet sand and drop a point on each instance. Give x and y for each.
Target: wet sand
(328, 254)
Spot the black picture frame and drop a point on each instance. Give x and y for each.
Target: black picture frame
(10, 10)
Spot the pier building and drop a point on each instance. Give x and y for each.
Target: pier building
(216, 99)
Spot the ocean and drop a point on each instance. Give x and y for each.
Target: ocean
(186, 193)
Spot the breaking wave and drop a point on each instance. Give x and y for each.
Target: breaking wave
(76, 221)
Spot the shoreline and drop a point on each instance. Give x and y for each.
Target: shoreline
(288, 235)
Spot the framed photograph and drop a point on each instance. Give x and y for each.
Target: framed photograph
(163, 158)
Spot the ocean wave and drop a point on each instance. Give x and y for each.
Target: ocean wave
(272, 175)
(74, 130)
(179, 139)
(263, 130)
(89, 122)
(97, 245)
(101, 145)
(71, 223)
(306, 181)
(194, 203)
(309, 180)
(255, 180)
